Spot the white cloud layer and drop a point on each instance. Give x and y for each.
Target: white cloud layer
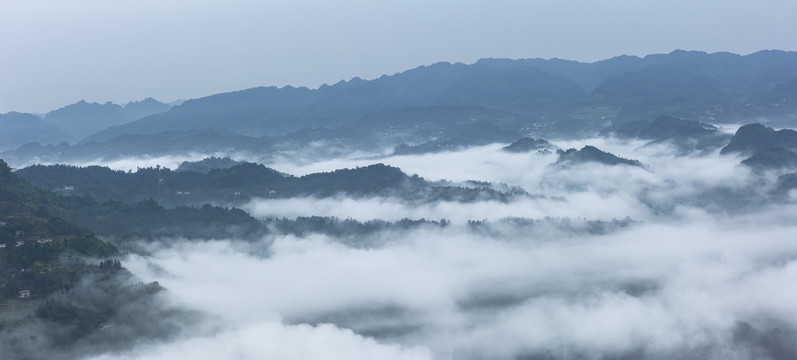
(688, 278)
(590, 191)
(662, 287)
(272, 340)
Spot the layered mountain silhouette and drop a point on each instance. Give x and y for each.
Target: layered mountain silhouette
(276, 111)
(754, 73)
(522, 86)
(17, 129)
(433, 108)
(138, 109)
(83, 118)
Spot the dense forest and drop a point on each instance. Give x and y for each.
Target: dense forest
(37, 244)
(60, 285)
(240, 183)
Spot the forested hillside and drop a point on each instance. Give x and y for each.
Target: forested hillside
(240, 183)
(60, 285)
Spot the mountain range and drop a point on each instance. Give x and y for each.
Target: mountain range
(440, 106)
(72, 122)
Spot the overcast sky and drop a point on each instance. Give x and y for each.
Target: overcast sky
(57, 52)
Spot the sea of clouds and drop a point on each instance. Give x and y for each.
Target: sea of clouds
(691, 273)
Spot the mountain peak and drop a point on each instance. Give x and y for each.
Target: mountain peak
(589, 154)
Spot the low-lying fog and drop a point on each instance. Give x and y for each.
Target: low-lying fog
(688, 270)
(592, 191)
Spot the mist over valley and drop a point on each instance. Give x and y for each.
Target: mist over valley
(630, 208)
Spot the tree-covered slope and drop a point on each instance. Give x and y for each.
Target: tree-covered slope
(239, 184)
(591, 154)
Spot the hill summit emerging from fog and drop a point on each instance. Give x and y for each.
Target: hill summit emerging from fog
(527, 144)
(752, 137)
(765, 147)
(591, 154)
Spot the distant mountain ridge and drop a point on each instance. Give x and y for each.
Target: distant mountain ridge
(83, 118)
(70, 123)
(17, 129)
(757, 72)
(276, 111)
(445, 106)
(535, 86)
(135, 110)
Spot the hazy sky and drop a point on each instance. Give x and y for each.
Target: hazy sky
(58, 52)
